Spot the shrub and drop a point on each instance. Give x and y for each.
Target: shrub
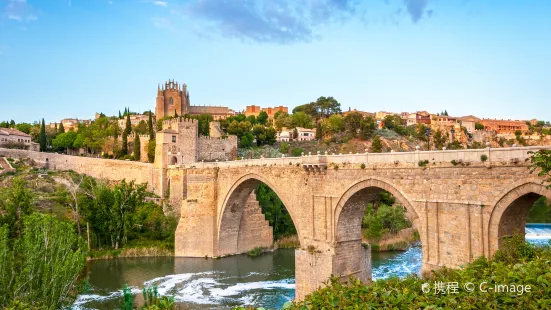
(296, 151)
(483, 157)
(362, 166)
(453, 162)
(256, 251)
(423, 163)
(530, 266)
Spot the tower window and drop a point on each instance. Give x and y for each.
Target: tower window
(174, 139)
(170, 101)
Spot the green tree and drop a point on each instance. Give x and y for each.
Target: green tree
(50, 258)
(42, 138)
(124, 148)
(282, 119)
(309, 108)
(204, 124)
(16, 201)
(61, 129)
(301, 119)
(478, 126)
(275, 212)
(376, 145)
(262, 118)
(150, 126)
(353, 123)
(334, 124)
(24, 127)
(541, 162)
(141, 128)
(128, 127)
(439, 139)
(319, 131)
(368, 127)
(64, 141)
(137, 147)
(151, 145)
(295, 134)
(540, 212)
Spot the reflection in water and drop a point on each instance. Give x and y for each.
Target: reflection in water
(198, 283)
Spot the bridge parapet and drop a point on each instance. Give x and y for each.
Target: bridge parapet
(506, 155)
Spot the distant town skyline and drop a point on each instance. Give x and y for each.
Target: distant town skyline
(70, 59)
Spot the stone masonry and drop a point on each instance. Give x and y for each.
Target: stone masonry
(462, 208)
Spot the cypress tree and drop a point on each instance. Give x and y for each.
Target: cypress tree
(42, 137)
(319, 133)
(150, 126)
(120, 116)
(128, 128)
(137, 147)
(61, 129)
(124, 149)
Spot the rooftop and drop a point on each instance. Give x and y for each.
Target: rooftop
(12, 132)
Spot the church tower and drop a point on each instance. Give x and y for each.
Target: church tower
(172, 99)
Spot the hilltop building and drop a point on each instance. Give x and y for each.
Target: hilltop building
(135, 119)
(469, 122)
(255, 110)
(504, 126)
(364, 114)
(417, 118)
(71, 123)
(173, 99)
(10, 137)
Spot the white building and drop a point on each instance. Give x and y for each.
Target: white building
(10, 137)
(305, 134)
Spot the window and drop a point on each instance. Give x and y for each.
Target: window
(174, 139)
(170, 101)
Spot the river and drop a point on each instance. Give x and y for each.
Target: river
(199, 283)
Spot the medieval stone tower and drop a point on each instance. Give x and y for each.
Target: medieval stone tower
(172, 99)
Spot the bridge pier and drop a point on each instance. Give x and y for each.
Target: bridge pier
(313, 268)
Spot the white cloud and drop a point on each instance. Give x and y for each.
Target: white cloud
(158, 2)
(14, 17)
(163, 23)
(18, 10)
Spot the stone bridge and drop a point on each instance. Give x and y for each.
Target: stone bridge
(461, 201)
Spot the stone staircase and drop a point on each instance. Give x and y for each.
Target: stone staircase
(255, 231)
(6, 166)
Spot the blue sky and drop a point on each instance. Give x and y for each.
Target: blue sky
(62, 58)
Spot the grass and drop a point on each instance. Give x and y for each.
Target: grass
(256, 251)
(288, 242)
(399, 241)
(130, 252)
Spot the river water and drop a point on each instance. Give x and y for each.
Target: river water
(199, 283)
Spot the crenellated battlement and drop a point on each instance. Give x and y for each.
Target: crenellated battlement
(175, 122)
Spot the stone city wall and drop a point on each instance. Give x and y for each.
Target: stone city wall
(109, 169)
(211, 149)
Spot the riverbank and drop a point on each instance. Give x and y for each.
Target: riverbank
(399, 241)
(130, 252)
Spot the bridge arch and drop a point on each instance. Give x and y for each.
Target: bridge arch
(351, 259)
(508, 214)
(231, 211)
